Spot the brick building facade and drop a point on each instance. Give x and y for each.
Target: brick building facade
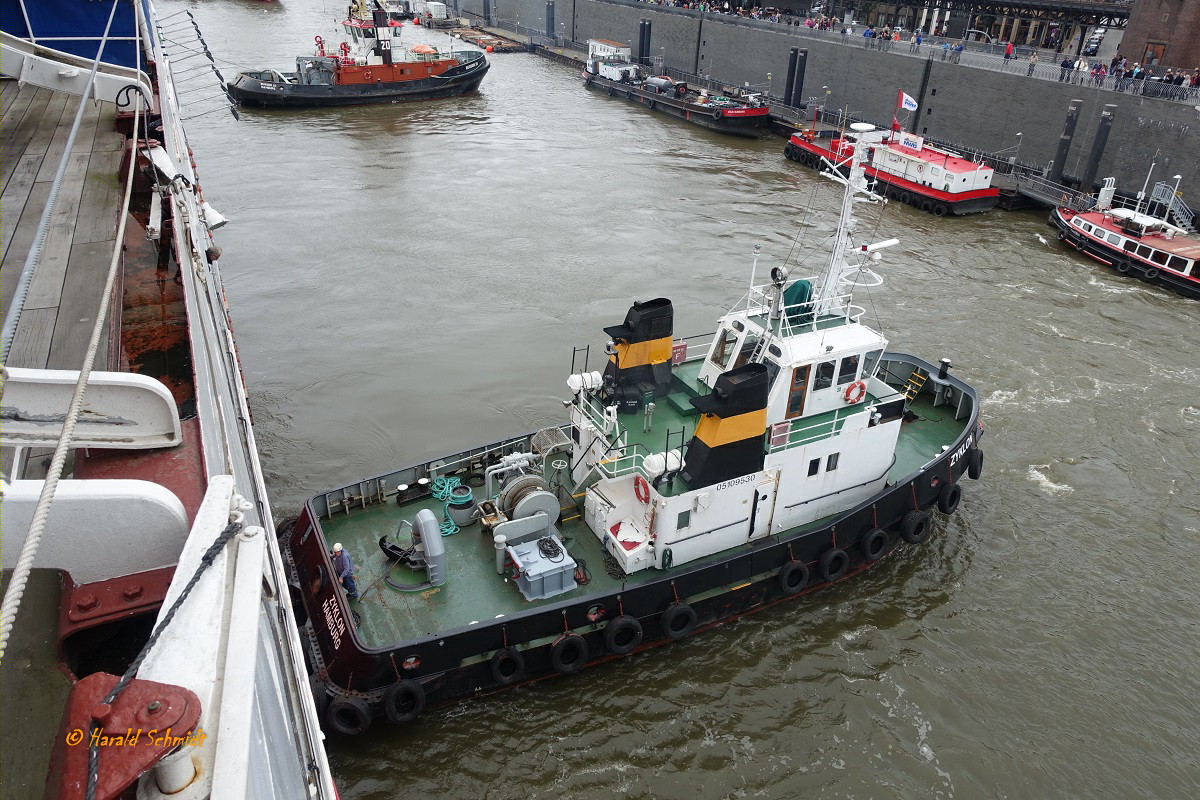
(1164, 33)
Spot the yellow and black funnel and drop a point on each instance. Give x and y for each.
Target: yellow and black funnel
(729, 437)
(641, 357)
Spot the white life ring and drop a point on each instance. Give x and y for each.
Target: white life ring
(920, 167)
(855, 392)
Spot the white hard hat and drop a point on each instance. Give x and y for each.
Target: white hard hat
(337, 547)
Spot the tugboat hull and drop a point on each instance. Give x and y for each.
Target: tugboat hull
(249, 90)
(747, 122)
(357, 681)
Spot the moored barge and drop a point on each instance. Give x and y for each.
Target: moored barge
(610, 68)
(697, 479)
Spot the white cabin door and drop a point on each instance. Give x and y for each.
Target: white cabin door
(764, 506)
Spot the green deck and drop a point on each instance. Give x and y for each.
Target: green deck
(475, 593)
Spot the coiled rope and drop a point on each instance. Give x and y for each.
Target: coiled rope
(443, 489)
(20, 575)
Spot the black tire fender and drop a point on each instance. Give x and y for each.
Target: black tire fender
(320, 696)
(905, 198)
(622, 635)
(974, 463)
(927, 206)
(793, 576)
(914, 527)
(349, 716)
(1062, 235)
(508, 666)
(949, 498)
(1122, 266)
(834, 564)
(569, 653)
(403, 702)
(940, 209)
(678, 621)
(1151, 273)
(874, 544)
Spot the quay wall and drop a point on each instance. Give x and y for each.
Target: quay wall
(976, 107)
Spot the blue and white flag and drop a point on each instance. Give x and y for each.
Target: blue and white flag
(907, 102)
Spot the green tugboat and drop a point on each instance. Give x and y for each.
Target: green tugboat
(695, 479)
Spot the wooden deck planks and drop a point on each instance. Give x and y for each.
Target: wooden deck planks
(31, 345)
(63, 295)
(102, 192)
(22, 241)
(58, 142)
(46, 288)
(86, 271)
(16, 192)
(20, 130)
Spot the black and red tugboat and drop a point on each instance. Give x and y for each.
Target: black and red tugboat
(610, 67)
(697, 479)
(372, 67)
(906, 168)
(1133, 242)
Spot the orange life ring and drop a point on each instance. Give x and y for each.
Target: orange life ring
(641, 489)
(855, 392)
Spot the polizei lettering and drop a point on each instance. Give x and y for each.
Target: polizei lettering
(334, 621)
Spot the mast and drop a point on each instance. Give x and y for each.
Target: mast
(838, 270)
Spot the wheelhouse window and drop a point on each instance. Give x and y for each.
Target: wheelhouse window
(831, 463)
(870, 362)
(824, 378)
(772, 372)
(1179, 264)
(723, 347)
(814, 467)
(747, 349)
(1114, 238)
(1144, 251)
(849, 371)
(1159, 257)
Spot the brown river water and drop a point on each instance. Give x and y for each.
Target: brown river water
(409, 280)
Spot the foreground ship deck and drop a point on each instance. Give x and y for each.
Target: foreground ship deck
(50, 336)
(121, 377)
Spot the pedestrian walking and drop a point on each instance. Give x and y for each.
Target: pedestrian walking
(1033, 59)
(1064, 70)
(1008, 53)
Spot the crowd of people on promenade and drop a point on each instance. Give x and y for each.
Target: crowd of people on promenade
(1121, 76)
(1118, 75)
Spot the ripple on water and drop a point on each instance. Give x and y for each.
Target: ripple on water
(405, 280)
